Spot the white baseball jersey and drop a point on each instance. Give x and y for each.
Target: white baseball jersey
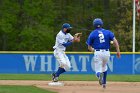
(62, 38)
(59, 49)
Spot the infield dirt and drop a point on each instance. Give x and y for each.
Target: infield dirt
(80, 86)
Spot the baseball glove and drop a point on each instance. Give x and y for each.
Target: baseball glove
(77, 37)
(78, 34)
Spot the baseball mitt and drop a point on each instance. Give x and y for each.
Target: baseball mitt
(77, 37)
(78, 34)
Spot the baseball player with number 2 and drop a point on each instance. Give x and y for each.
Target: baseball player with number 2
(63, 40)
(99, 43)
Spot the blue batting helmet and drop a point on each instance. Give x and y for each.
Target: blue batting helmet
(66, 25)
(97, 22)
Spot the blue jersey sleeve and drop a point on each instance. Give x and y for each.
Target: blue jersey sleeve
(90, 40)
(111, 36)
(67, 44)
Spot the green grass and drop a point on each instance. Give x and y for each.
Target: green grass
(68, 77)
(22, 89)
(25, 76)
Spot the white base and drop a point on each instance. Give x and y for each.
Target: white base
(56, 84)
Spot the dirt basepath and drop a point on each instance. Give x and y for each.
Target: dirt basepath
(80, 86)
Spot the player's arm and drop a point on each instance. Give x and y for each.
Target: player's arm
(89, 42)
(72, 39)
(70, 42)
(90, 48)
(116, 44)
(75, 38)
(67, 44)
(61, 40)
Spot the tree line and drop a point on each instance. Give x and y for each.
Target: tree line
(31, 25)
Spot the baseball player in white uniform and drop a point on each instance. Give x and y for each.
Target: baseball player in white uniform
(63, 40)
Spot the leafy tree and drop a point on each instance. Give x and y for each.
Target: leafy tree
(31, 25)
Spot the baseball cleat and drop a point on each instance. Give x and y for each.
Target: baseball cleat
(101, 78)
(104, 86)
(54, 78)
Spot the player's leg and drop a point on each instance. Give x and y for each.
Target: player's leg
(99, 75)
(105, 60)
(104, 79)
(98, 66)
(56, 75)
(60, 71)
(104, 74)
(60, 56)
(65, 65)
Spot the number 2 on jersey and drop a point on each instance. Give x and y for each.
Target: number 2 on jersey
(101, 37)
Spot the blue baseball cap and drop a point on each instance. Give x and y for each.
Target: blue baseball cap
(66, 25)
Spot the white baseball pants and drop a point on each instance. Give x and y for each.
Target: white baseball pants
(100, 60)
(62, 59)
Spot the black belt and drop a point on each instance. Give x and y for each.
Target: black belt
(101, 49)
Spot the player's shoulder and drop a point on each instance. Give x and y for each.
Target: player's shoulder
(60, 32)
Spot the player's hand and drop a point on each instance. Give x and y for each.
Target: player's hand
(118, 55)
(76, 39)
(90, 48)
